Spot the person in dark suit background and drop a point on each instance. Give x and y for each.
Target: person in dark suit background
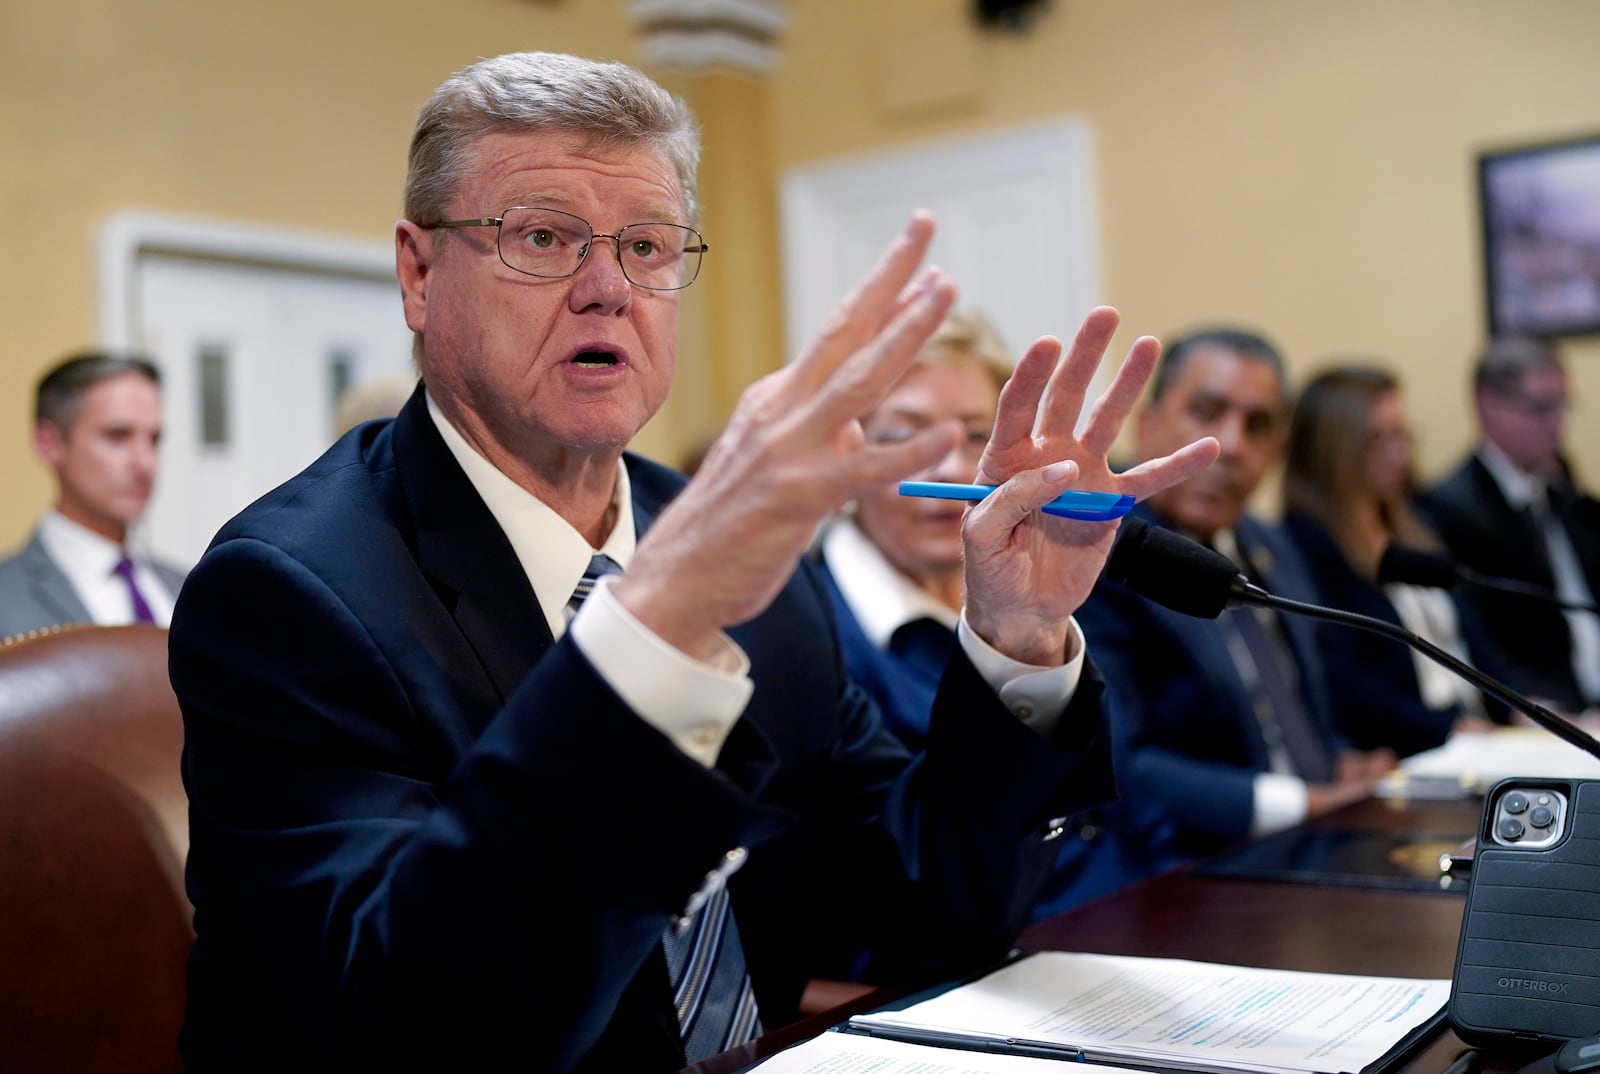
(1232, 719)
(461, 790)
(97, 426)
(1347, 492)
(892, 565)
(1513, 509)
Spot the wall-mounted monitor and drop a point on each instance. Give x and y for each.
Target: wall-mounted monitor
(1541, 228)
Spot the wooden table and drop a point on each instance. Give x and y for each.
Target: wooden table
(1329, 928)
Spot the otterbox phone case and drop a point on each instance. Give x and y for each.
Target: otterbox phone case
(1528, 965)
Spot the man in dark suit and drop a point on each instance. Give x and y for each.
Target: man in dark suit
(1512, 510)
(1232, 718)
(463, 795)
(97, 426)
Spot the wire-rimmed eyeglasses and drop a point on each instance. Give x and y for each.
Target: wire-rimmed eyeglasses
(553, 245)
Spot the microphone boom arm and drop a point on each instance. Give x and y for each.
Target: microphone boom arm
(1245, 593)
(1524, 589)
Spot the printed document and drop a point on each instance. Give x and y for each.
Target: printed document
(1174, 1014)
(850, 1053)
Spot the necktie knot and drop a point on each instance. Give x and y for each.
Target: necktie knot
(600, 565)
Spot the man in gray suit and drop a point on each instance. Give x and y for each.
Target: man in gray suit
(97, 423)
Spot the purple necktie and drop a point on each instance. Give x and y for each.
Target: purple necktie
(141, 607)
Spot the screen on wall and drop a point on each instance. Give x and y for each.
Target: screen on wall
(1541, 226)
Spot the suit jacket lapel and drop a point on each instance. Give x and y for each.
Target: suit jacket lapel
(50, 585)
(473, 569)
(465, 556)
(1521, 542)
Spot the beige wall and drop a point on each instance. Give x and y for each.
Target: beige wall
(293, 113)
(1304, 167)
(1299, 166)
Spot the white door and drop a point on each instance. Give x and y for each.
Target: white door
(1016, 217)
(253, 357)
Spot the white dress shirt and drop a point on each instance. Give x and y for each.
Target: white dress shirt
(89, 561)
(693, 703)
(1431, 615)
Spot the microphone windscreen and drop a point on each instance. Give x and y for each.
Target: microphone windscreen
(1172, 570)
(1415, 566)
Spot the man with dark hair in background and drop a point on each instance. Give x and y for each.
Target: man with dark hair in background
(1233, 721)
(97, 425)
(1513, 510)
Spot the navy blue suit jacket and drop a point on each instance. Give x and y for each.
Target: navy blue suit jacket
(1373, 679)
(425, 835)
(1196, 744)
(1531, 644)
(1102, 849)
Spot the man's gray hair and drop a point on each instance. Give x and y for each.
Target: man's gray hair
(604, 104)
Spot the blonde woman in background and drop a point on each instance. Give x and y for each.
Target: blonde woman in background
(893, 570)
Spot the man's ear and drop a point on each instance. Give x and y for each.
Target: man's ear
(413, 262)
(49, 443)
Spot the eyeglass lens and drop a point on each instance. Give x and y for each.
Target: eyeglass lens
(548, 242)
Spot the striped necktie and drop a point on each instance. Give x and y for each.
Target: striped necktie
(600, 565)
(711, 991)
(1267, 666)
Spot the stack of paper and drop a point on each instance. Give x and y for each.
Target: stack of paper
(1469, 763)
(1160, 1014)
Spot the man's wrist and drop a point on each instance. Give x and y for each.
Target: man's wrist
(1036, 693)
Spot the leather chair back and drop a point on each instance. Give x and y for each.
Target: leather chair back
(94, 925)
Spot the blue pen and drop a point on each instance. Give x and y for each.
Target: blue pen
(1074, 503)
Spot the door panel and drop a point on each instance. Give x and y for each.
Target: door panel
(1016, 220)
(251, 359)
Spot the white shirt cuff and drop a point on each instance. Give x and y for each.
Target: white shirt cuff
(1280, 802)
(1036, 695)
(695, 704)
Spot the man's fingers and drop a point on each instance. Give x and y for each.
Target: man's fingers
(1063, 398)
(860, 381)
(1004, 509)
(1112, 409)
(1019, 399)
(870, 304)
(1149, 478)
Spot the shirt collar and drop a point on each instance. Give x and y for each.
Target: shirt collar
(553, 554)
(1520, 489)
(77, 549)
(882, 598)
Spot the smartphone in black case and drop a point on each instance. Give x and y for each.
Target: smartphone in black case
(1528, 965)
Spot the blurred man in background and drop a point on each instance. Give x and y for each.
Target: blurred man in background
(1513, 510)
(1233, 719)
(97, 424)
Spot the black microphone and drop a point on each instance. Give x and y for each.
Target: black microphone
(1414, 566)
(1188, 577)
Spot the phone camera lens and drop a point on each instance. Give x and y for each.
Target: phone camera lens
(1541, 817)
(1509, 829)
(1515, 802)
